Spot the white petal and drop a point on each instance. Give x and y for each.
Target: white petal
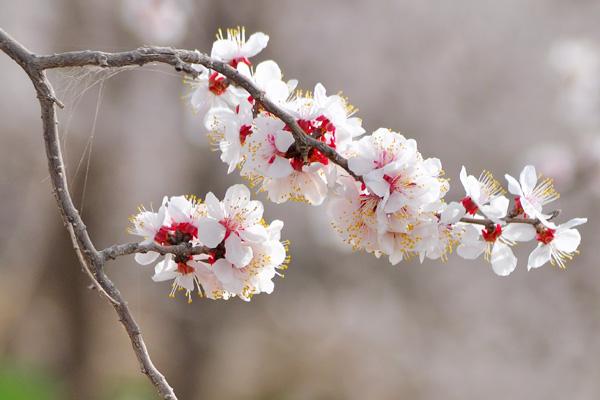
(186, 281)
(572, 223)
(314, 188)
(497, 209)
(226, 274)
(179, 208)
(472, 250)
(164, 275)
(266, 72)
(210, 232)
(452, 213)
(360, 165)
(256, 233)
(519, 232)
(513, 186)
(503, 260)
(395, 202)
(396, 257)
(224, 50)
(236, 198)
(214, 207)
(567, 240)
(528, 179)
(147, 258)
(540, 256)
(463, 177)
(279, 168)
(255, 43)
(236, 252)
(473, 189)
(274, 229)
(283, 141)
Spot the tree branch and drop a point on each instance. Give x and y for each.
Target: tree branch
(183, 249)
(91, 260)
(508, 220)
(181, 60)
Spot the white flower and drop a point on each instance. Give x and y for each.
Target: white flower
(235, 49)
(495, 241)
(530, 195)
(353, 214)
(174, 223)
(188, 275)
(256, 277)
(235, 222)
(267, 149)
(285, 175)
(393, 169)
(212, 90)
(437, 238)
(230, 129)
(484, 194)
(556, 245)
(267, 77)
(331, 117)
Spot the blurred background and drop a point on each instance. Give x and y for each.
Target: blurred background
(483, 83)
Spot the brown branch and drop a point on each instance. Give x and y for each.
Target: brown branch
(91, 260)
(181, 60)
(508, 220)
(183, 249)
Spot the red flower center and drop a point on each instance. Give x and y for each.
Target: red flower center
(469, 205)
(184, 269)
(321, 129)
(245, 131)
(545, 235)
(234, 63)
(179, 232)
(493, 234)
(518, 208)
(217, 83)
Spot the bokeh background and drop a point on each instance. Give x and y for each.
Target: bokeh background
(487, 84)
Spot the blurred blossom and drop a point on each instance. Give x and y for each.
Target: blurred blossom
(578, 64)
(157, 21)
(555, 160)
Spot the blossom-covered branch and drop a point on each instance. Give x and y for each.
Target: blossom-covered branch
(384, 196)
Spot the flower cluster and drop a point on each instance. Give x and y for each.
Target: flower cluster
(240, 256)
(384, 197)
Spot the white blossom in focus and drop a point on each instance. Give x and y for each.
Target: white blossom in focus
(234, 49)
(495, 242)
(235, 221)
(211, 90)
(483, 195)
(556, 245)
(229, 131)
(531, 196)
(353, 214)
(393, 169)
(272, 160)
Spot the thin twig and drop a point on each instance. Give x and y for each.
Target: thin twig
(183, 249)
(90, 258)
